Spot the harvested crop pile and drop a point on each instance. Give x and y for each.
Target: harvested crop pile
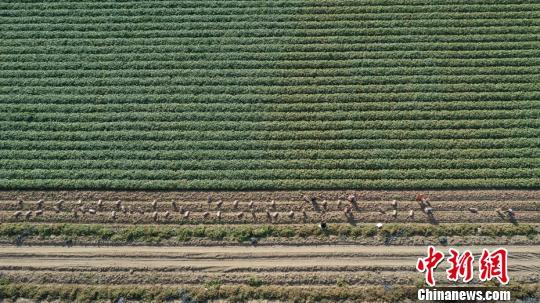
(295, 94)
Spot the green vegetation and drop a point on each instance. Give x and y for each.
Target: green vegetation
(157, 233)
(240, 95)
(87, 293)
(255, 282)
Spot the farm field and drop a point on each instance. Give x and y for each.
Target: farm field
(324, 270)
(272, 251)
(251, 95)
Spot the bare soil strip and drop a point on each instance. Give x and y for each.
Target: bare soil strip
(288, 207)
(233, 257)
(275, 265)
(281, 217)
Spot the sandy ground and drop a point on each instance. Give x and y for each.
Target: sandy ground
(224, 258)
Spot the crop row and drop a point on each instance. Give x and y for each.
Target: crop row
(272, 72)
(238, 293)
(256, 164)
(307, 7)
(213, 290)
(172, 32)
(149, 63)
(425, 98)
(342, 145)
(270, 125)
(338, 115)
(230, 175)
(269, 80)
(204, 293)
(262, 16)
(297, 89)
(244, 3)
(224, 104)
(283, 56)
(153, 233)
(242, 41)
(171, 212)
(262, 155)
(467, 181)
(270, 25)
(522, 132)
(247, 106)
(271, 48)
(350, 125)
(197, 276)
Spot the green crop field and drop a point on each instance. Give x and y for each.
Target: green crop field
(285, 94)
(267, 151)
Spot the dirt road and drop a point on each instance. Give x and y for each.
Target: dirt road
(227, 258)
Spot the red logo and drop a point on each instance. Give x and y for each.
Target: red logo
(492, 265)
(429, 264)
(460, 265)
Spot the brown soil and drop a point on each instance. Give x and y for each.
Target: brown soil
(282, 265)
(371, 206)
(294, 262)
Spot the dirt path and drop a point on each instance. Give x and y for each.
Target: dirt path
(223, 258)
